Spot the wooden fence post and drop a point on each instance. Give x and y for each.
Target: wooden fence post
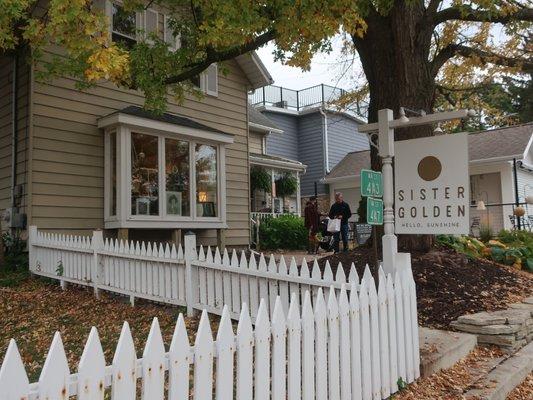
(32, 238)
(97, 245)
(189, 242)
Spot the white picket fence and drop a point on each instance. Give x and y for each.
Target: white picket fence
(378, 323)
(352, 346)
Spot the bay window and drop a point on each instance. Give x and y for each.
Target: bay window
(162, 175)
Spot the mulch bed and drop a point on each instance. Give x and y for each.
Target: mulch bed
(449, 284)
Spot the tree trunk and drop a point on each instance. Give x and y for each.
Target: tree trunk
(394, 54)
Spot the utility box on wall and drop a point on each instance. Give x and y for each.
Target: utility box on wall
(11, 218)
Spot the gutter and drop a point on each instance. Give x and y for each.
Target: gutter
(494, 159)
(14, 132)
(325, 139)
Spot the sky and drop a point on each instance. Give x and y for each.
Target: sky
(325, 68)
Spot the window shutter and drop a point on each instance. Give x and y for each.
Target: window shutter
(211, 80)
(170, 39)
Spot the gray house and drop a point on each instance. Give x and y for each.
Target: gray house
(314, 133)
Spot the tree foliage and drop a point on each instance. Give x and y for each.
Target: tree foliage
(260, 179)
(209, 31)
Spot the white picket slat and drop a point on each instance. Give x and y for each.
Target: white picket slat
(273, 288)
(294, 361)
(366, 360)
(179, 360)
(245, 339)
(254, 287)
(355, 343)
(408, 333)
(91, 369)
(279, 346)
(14, 384)
(153, 387)
(235, 284)
(308, 349)
(124, 367)
(203, 360)
(374, 339)
(333, 346)
(384, 349)
(244, 283)
(344, 344)
(54, 378)
(262, 354)
(321, 347)
(283, 285)
(225, 345)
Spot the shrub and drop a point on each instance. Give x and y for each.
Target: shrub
(260, 179)
(285, 232)
(15, 255)
(485, 233)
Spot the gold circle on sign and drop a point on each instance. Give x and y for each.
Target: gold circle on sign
(429, 168)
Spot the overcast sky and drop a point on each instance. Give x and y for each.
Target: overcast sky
(325, 68)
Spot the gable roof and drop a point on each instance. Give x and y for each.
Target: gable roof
(508, 142)
(254, 70)
(501, 143)
(259, 122)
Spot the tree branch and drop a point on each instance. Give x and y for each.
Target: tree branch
(213, 56)
(486, 57)
(433, 6)
(469, 14)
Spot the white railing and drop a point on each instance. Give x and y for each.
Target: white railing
(356, 346)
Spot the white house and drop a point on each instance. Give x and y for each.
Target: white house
(492, 156)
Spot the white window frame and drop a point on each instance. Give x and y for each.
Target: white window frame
(175, 39)
(139, 22)
(124, 217)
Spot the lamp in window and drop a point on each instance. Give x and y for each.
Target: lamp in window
(480, 206)
(202, 197)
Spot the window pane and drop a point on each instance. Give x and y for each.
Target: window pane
(124, 26)
(144, 175)
(177, 177)
(206, 180)
(113, 173)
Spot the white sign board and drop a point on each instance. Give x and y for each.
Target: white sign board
(432, 193)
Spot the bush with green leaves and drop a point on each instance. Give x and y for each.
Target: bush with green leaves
(260, 179)
(15, 254)
(285, 232)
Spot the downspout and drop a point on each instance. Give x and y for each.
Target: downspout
(325, 139)
(14, 133)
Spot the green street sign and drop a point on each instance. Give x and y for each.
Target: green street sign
(374, 211)
(371, 183)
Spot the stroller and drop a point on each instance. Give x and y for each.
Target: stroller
(326, 243)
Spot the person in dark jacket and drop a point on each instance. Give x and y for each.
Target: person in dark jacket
(311, 218)
(340, 210)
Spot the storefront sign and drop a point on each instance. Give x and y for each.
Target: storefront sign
(371, 183)
(374, 211)
(432, 185)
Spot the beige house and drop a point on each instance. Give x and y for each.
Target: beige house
(74, 161)
(492, 155)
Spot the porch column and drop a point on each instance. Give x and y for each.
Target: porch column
(273, 183)
(298, 195)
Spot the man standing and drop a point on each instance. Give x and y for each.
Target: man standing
(340, 210)
(311, 223)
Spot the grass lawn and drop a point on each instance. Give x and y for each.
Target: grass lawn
(31, 310)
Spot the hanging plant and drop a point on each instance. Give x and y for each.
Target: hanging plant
(260, 179)
(286, 185)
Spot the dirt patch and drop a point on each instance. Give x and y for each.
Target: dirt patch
(453, 383)
(449, 284)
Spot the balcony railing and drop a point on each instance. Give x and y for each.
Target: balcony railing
(278, 96)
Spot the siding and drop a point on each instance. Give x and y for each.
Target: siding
(311, 153)
(285, 144)
(68, 154)
(256, 143)
(6, 96)
(343, 138)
